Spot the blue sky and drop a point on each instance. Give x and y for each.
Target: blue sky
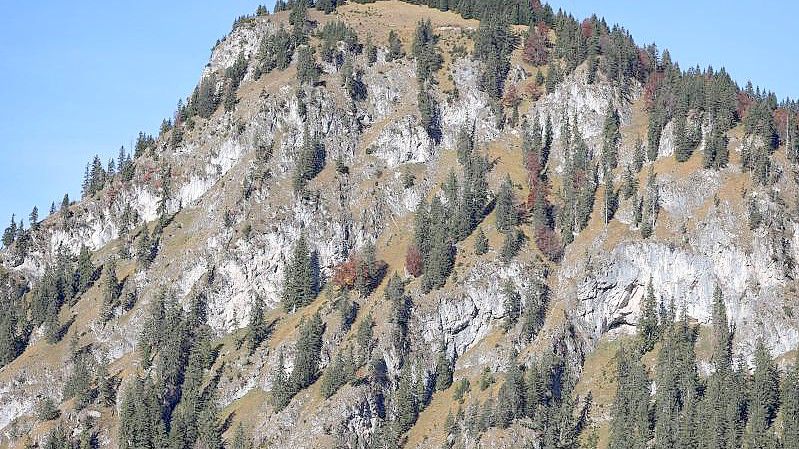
(83, 78)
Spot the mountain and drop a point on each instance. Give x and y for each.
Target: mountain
(382, 224)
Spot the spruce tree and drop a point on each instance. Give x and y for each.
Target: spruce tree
(648, 330)
(610, 196)
(505, 212)
(307, 70)
(395, 50)
(301, 284)
(440, 259)
(240, 439)
(86, 273)
(480, 242)
(630, 426)
(443, 370)
(512, 304)
(257, 329)
(111, 290)
(790, 407)
(611, 137)
(765, 400)
(282, 390)
(306, 358)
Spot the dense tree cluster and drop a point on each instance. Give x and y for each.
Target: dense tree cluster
(579, 183)
(494, 43)
(175, 407)
(731, 407)
(428, 62)
(450, 218)
(97, 177)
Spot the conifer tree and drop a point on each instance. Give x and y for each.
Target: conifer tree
(765, 400)
(443, 370)
(505, 207)
(307, 69)
(480, 242)
(301, 284)
(630, 426)
(370, 50)
(790, 407)
(494, 44)
(111, 290)
(650, 205)
(648, 330)
(306, 358)
(310, 161)
(400, 313)
(86, 273)
(610, 196)
(440, 259)
(240, 439)
(395, 50)
(282, 390)
(257, 329)
(512, 304)
(611, 137)
(676, 383)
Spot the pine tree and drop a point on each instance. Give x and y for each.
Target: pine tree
(240, 439)
(790, 408)
(629, 428)
(307, 70)
(395, 50)
(505, 207)
(282, 390)
(301, 284)
(257, 329)
(765, 400)
(648, 330)
(306, 358)
(444, 370)
(611, 137)
(480, 242)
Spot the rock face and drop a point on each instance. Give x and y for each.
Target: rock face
(234, 219)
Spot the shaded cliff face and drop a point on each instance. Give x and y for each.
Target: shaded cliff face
(235, 219)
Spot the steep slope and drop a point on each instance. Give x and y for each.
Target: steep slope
(215, 205)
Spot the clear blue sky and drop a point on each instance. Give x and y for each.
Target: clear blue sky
(83, 78)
